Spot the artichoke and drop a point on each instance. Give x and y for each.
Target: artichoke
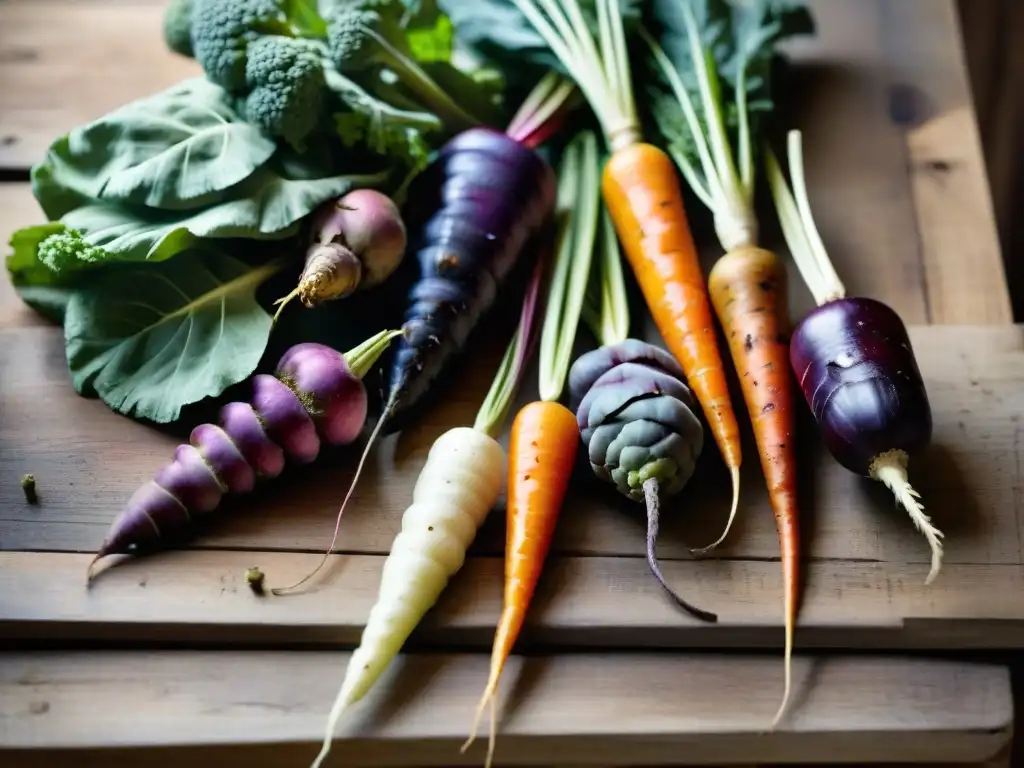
(638, 421)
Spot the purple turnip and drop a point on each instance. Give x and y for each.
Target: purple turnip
(315, 395)
(356, 242)
(854, 362)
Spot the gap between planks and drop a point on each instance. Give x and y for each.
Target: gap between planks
(612, 710)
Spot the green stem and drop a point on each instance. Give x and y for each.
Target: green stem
(726, 191)
(362, 358)
(578, 206)
(506, 382)
(538, 116)
(423, 85)
(614, 314)
(605, 83)
(799, 230)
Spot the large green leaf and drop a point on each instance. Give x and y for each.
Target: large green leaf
(150, 340)
(267, 206)
(177, 149)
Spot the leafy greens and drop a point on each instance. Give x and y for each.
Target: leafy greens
(150, 340)
(713, 61)
(165, 215)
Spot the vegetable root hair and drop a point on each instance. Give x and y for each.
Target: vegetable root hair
(787, 673)
(734, 473)
(348, 495)
(651, 496)
(486, 701)
(890, 468)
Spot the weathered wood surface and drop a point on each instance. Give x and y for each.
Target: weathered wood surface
(868, 561)
(637, 709)
(897, 186)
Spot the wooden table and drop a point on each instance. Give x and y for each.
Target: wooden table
(895, 169)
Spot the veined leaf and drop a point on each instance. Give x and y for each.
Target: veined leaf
(150, 340)
(178, 149)
(268, 206)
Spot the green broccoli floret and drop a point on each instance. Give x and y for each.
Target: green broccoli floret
(285, 77)
(178, 27)
(68, 250)
(222, 30)
(364, 34)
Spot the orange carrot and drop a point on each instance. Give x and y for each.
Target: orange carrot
(545, 435)
(748, 289)
(644, 201)
(541, 454)
(642, 193)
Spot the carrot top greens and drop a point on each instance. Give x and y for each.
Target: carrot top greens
(798, 227)
(715, 59)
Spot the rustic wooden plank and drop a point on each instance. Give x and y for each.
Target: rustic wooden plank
(855, 156)
(65, 63)
(620, 709)
(963, 263)
(201, 597)
(88, 461)
(996, 68)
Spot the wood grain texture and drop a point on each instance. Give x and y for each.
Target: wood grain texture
(995, 63)
(597, 602)
(638, 709)
(17, 209)
(88, 461)
(963, 264)
(65, 63)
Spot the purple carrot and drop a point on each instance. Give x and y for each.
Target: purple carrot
(315, 395)
(854, 362)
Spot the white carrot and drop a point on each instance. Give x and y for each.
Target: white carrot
(458, 485)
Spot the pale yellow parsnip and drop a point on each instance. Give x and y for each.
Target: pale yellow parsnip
(459, 484)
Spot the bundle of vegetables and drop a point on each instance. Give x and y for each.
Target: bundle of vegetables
(639, 183)
(747, 284)
(854, 361)
(315, 395)
(198, 195)
(460, 482)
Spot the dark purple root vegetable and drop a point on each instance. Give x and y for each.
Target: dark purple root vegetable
(857, 370)
(357, 242)
(316, 394)
(638, 420)
(492, 195)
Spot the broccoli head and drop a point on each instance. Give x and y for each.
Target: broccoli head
(177, 27)
(285, 78)
(222, 30)
(68, 250)
(367, 34)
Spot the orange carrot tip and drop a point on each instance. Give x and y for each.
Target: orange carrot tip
(747, 285)
(544, 439)
(541, 455)
(638, 420)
